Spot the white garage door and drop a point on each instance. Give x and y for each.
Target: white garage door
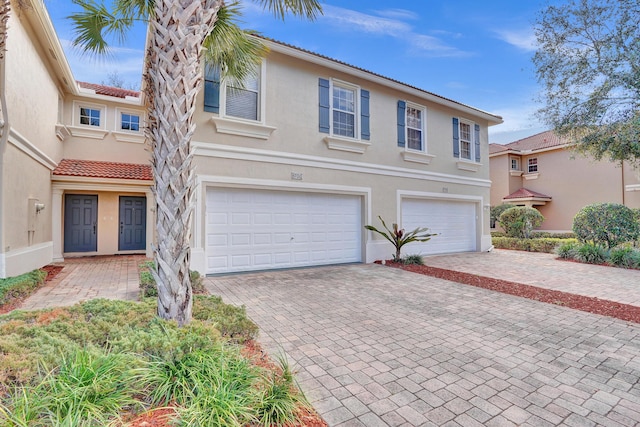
(455, 223)
(260, 229)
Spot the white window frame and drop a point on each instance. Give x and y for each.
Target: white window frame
(423, 124)
(261, 98)
(82, 130)
(118, 121)
(516, 161)
(471, 140)
(78, 106)
(357, 108)
(532, 163)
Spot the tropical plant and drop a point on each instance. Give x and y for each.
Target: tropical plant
(607, 224)
(399, 238)
(592, 254)
(413, 259)
(178, 33)
(625, 257)
(495, 213)
(587, 59)
(519, 221)
(568, 250)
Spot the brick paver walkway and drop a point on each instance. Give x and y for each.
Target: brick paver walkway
(545, 271)
(112, 277)
(376, 346)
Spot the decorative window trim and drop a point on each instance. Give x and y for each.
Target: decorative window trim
(423, 122)
(77, 105)
(342, 143)
(87, 132)
(515, 173)
(470, 141)
(517, 163)
(530, 176)
(62, 132)
(118, 121)
(468, 165)
(532, 162)
(124, 136)
(417, 156)
(475, 140)
(245, 128)
(261, 98)
(356, 113)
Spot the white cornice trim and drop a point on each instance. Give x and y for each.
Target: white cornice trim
(531, 152)
(102, 184)
(87, 132)
(468, 166)
(417, 156)
(515, 173)
(266, 156)
(22, 144)
(632, 187)
(248, 129)
(343, 144)
(62, 132)
(344, 68)
(531, 175)
(137, 138)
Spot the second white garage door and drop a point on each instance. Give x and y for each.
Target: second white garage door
(262, 229)
(455, 223)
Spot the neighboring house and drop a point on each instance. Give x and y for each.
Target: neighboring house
(289, 168)
(544, 172)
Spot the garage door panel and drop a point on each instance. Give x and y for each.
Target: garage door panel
(261, 229)
(454, 222)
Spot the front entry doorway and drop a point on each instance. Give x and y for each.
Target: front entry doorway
(80, 223)
(133, 223)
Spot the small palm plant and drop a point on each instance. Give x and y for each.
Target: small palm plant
(399, 238)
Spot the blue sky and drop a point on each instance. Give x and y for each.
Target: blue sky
(478, 53)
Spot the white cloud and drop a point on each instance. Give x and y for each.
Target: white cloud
(398, 14)
(519, 122)
(524, 39)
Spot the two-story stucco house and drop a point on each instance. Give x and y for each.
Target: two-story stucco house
(543, 171)
(289, 168)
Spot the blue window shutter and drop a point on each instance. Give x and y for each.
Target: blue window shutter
(402, 108)
(476, 136)
(212, 89)
(456, 138)
(365, 132)
(323, 93)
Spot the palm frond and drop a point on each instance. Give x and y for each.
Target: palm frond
(233, 50)
(94, 24)
(308, 9)
(137, 10)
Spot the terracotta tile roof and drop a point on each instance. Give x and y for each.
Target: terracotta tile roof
(523, 193)
(95, 169)
(109, 90)
(539, 141)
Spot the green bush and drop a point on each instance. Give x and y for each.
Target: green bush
(547, 245)
(592, 254)
(568, 250)
(625, 257)
(20, 286)
(519, 221)
(496, 211)
(608, 224)
(148, 286)
(413, 260)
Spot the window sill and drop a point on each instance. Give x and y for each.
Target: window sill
(344, 144)
(88, 132)
(516, 173)
(248, 129)
(137, 138)
(417, 156)
(468, 166)
(531, 175)
(62, 132)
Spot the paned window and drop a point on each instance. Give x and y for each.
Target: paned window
(533, 165)
(344, 111)
(515, 164)
(130, 122)
(89, 116)
(414, 128)
(466, 143)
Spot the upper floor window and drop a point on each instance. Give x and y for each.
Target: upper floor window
(90, 116)
(129, 122)
(241, 100)
(532, 165)
(415, 128)
(515, 164)
(344, 109)
(466, 140)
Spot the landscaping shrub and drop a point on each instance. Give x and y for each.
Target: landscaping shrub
(519, 221)
(547, 245)
(496, 211)
(19, 286)
(592, 254)
(398, 237)
(626, 257)
(413, 260)
(568, 250)
(608, 224)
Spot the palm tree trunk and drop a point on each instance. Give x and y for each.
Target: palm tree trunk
(173, 79)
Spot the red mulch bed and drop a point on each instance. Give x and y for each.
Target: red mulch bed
(594, 305)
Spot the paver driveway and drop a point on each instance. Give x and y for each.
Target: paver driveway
(380, 346)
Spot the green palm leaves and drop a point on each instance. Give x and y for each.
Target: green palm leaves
(399, 238)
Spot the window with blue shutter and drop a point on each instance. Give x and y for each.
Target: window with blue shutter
(476, 135)
(212, 89)
(402, 107)
(365, 132)
(323, 95)
(456, 138)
